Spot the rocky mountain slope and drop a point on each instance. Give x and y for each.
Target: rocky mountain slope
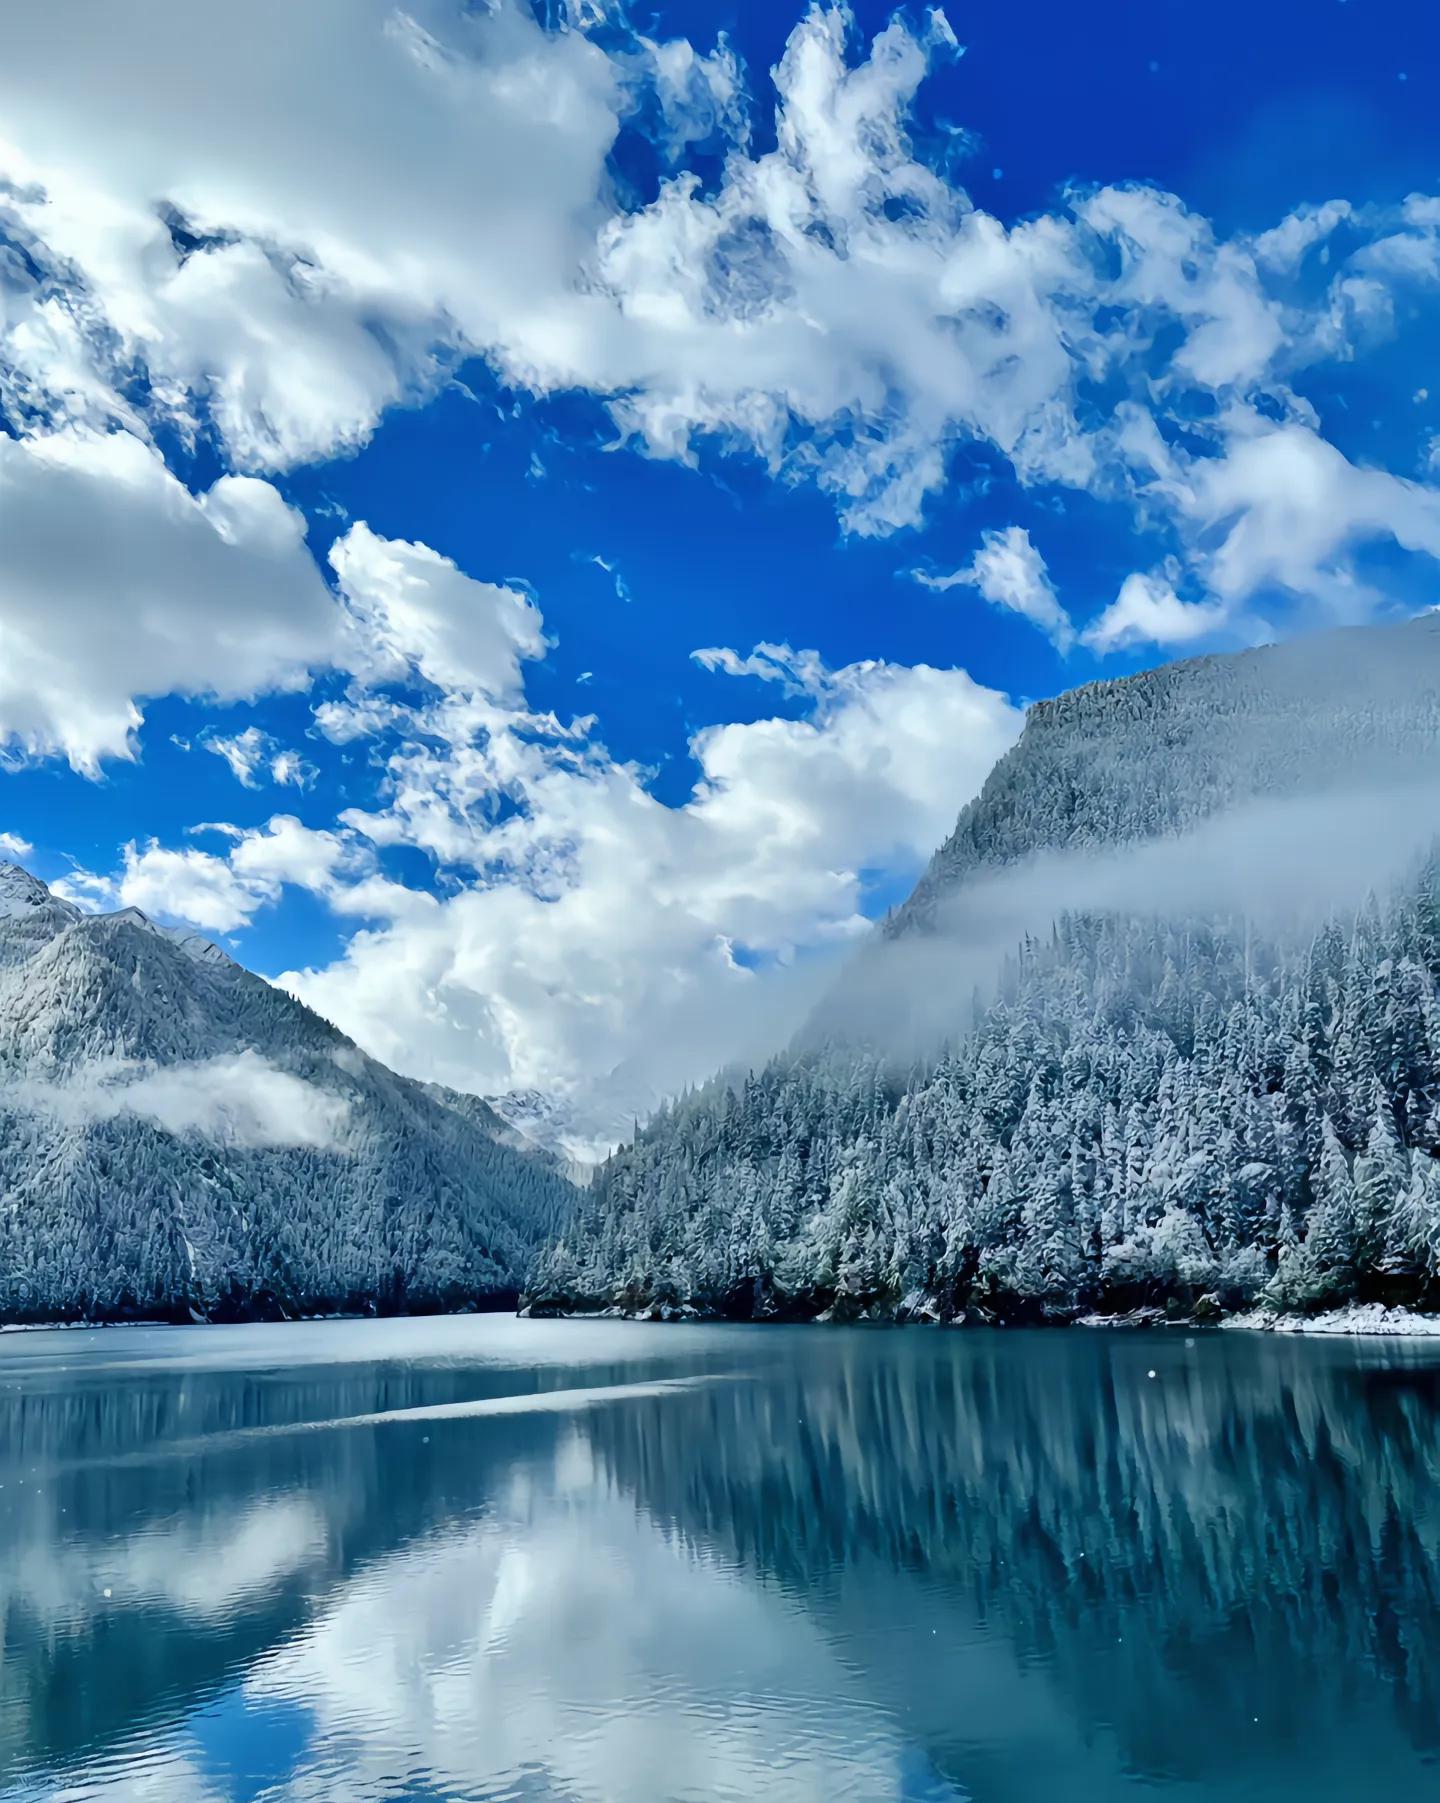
(179, 1138)
(1173, 1052)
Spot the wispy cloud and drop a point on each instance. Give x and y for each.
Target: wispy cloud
(241, 1100)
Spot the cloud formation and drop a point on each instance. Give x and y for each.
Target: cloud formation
(1147, 611)
(118, 584)
(614, 946)
(1009, 572)
(253, 757)
(587, 940)
(240, 1100)
(833, 305)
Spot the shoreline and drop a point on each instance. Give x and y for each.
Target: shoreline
(1361, 1320)
(264, 1319)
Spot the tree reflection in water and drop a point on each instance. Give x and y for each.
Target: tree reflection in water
(851, 1564)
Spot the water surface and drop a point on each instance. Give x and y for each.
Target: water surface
(485, 1558)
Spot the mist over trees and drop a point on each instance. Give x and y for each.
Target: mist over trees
(1151, 1106)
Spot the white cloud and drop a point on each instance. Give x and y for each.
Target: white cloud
(244, 752)
(326, 259)
(1009, 572)
(1171, 263)
(14, 847)
(614, 945)
(287, 851)
(239, 1099)
(1147, 611)
(797, 672)
(1285, 507)
(291, 771)
(118, 584)
(219, 893)
(833, 305)
(619, 947)
(190, 885)
(413, 611)
(1285, 245)
(253, 755)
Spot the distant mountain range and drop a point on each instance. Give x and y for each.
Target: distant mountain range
(180, 1139)
(1139, 1039)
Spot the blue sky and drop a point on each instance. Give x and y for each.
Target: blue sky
(341, 263)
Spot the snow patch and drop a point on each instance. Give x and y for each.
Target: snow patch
(22, 894)
(1359, 1318)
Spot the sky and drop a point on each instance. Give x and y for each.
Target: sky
(527, 524)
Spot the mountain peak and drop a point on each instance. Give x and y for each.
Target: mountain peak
(27, 901)
(19, 890)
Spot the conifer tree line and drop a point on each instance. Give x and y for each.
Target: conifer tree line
(1148, 1113)
(1180, 1111)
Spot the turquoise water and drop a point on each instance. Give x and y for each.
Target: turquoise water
(487, 1558)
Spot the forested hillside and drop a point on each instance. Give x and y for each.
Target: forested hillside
(177, 1137)
(1113, 763)
(1148, 1106)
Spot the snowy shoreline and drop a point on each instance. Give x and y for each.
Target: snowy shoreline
(1361, 1319)
(1357, 1320)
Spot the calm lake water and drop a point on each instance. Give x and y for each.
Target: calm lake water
(487, 1558)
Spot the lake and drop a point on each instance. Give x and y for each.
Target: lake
(488, 1558)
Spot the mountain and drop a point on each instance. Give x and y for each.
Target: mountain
(179, 1138)
(1140, 1038)
(533, 1119)
(1154, 755)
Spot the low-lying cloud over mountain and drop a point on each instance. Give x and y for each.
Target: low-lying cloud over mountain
(180, 1137)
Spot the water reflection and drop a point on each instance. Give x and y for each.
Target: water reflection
(610, 1562)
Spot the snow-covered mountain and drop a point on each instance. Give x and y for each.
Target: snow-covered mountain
(1168, 1047)
(1152, 756)
(177, 1137)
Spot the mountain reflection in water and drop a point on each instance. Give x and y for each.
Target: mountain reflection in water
(482, 1558)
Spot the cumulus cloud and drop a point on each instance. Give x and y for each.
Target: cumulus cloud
(833, 304)
(1009, 572)
(587, 939)
(1147, 611)
(290, 283)
(189, 885)
(617, 946)
(1286, 506)
(239, 1099)
(117, 584)
(414, 612)
(221, 893)
(14, 847)
(583, 937)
